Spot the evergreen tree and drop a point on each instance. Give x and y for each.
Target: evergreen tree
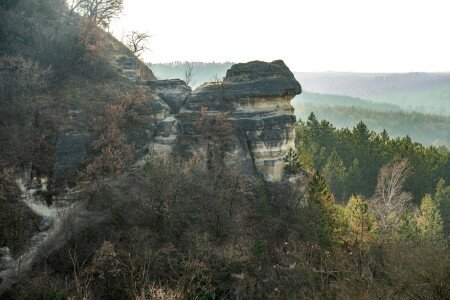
(305, 158)
(407, 225)
(322, 210)
(354, 178)
(442, 200)
(335, 175)
(361, 224)
(291, 162)
(429, 220)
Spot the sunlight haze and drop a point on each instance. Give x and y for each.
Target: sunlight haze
(349, 35)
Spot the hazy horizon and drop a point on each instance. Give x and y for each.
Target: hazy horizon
(310, 36)
(309, 72)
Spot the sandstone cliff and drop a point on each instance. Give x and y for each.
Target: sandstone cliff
(256, 97)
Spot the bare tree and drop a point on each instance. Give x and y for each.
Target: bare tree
(188, 74)
(99, 12)
(137, 42)
(216, 78)
(389, 200)
(73, 5)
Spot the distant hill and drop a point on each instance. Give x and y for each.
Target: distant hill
(332, 100)
(382, 101)
(201, 72)
(424, 92)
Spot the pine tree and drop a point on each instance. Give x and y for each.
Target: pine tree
(429, 220)
(407, 225)
(291, 162)
(305, 158)
(335, 175)
(442, 200)
(321, 207)
(354, 182)
(361, 224)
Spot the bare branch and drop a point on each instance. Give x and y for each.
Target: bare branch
(137, 42)
(389, 200)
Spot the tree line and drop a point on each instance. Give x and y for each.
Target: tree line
(428, 129)
(399, 181)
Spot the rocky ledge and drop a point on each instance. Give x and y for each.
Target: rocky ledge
(256, 97)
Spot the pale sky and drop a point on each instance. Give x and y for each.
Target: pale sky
(309, 35)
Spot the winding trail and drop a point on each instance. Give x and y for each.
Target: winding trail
(59, 212)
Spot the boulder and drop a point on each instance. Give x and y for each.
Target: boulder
(173, 91)
(71, 150)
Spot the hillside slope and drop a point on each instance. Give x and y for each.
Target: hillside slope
(424, 92)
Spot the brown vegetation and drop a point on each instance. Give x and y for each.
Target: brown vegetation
(179, 231)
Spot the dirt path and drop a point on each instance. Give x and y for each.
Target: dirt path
(58, 215)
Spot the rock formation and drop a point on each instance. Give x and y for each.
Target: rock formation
(256, 97)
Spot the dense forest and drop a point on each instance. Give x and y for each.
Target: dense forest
(428, 129)
(351, 159)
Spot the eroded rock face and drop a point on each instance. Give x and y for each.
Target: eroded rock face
(71, 150)
(173, 91)
(257, 97)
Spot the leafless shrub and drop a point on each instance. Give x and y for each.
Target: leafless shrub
(99, 12)
(114, 153)
(188, 74)
(137, 42)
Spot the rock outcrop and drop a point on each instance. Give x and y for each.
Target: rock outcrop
(71, 150)
(255, 96)
(174, 92)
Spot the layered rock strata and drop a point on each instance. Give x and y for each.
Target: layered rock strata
(256, 97)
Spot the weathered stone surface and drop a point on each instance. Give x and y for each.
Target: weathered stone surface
(246, 84)
(131, 68)
(70, 152)
(173, 91)
(257, 97)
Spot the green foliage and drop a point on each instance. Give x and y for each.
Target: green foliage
(407, 226)
(361, 224)
(291, 162)
(429, 220)
(259, 250)
(442, 200)
(362, 153)
(428, 129)
(335, 175)
(321, 206)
